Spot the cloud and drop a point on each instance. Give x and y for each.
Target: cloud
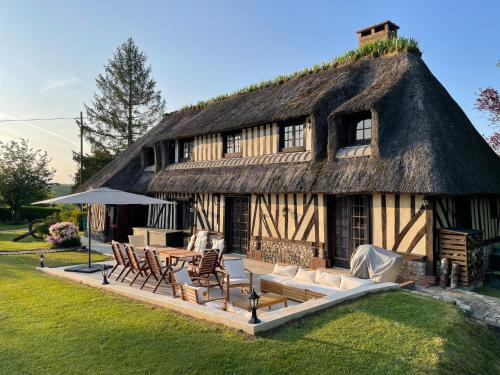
(57, 84)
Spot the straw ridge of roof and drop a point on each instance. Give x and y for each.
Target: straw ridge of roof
(426, 143)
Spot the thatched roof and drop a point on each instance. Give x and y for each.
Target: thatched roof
(426, 143)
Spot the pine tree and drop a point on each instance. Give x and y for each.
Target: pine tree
(126, 103)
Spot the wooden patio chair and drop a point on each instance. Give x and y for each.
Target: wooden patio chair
(197, 243)
(192, 290)
(137, 267)
(121, 260)
(159, 272)
(236, 275)
(206, 268)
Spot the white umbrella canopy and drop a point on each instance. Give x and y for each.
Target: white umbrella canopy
(101, 195)
(104, 196)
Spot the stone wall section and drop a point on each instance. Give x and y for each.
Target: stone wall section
(273, 251)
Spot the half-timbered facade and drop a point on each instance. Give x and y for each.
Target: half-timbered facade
(304, 171)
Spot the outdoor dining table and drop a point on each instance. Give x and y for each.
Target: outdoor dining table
(174, 253)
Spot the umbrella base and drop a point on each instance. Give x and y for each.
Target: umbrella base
(86, 269)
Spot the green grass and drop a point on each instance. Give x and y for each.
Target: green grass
(50, 326)
(488, 291)
(369, 50)
(27, 243)
(13, 226)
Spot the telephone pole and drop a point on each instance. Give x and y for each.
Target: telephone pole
(81, 153)
(81, 148)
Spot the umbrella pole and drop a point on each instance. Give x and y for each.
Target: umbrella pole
(89, 207)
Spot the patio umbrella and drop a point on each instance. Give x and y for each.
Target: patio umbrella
(99, 196)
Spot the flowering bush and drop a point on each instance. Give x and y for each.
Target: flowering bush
(63, 234)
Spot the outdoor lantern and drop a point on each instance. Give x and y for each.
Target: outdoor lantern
(284, 211)
(427, 202)
(104, 275)
(42, 264)
(254, 305)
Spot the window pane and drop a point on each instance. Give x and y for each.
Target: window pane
(368, 123)
(359, 135)
(368, 133)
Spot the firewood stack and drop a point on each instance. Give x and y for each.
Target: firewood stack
(465, 248)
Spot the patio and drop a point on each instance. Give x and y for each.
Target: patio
(271, 318)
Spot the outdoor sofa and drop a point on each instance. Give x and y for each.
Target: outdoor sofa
(301, 285)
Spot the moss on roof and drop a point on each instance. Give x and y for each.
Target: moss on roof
(369, 50)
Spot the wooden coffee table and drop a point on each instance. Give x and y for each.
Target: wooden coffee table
(265, 300)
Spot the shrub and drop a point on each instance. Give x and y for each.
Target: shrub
(63, 234)
(70, 213)
(30, 213)
(5, 214)
(42, 228)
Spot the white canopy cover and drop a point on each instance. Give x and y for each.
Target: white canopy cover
(105, 196)
(375, 263)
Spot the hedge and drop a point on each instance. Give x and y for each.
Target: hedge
(28, 213)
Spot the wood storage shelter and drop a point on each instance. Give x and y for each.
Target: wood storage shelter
(303, 171)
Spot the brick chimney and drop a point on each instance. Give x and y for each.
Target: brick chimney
(380, 31)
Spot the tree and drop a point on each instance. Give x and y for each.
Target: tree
(24, 175)
(91, 164)
(126, 103)
(488, 100)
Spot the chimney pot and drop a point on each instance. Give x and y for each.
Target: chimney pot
(380, 31)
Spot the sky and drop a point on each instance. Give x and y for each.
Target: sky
(51, 51)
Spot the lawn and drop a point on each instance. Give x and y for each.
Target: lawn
(28, 243)
(50, 326)
(13, 226)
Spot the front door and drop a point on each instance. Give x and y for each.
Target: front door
(348, 226)
(237, 224)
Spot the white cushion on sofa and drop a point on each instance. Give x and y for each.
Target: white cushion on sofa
(323, 289)
(305, 275)
(288, 271)
(274, 278)
(351, 282)
(327, 278)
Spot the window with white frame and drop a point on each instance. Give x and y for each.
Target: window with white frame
(232, 143)
(292, 136)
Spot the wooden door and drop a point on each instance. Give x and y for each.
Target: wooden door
(348, 226)
(237, 224)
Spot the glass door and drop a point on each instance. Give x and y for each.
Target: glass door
(348, 226)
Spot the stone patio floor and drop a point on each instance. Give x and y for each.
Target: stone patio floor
(482, 308)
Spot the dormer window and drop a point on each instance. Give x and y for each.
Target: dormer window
(356, 130)
(168, 152)
(186, 150)
(292, 136)
(232, 144)
(148, 155)
(364, 131)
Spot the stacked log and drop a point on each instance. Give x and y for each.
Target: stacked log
(464, 247)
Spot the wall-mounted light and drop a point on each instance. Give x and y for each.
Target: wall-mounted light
(285, 211)
(427, 202)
